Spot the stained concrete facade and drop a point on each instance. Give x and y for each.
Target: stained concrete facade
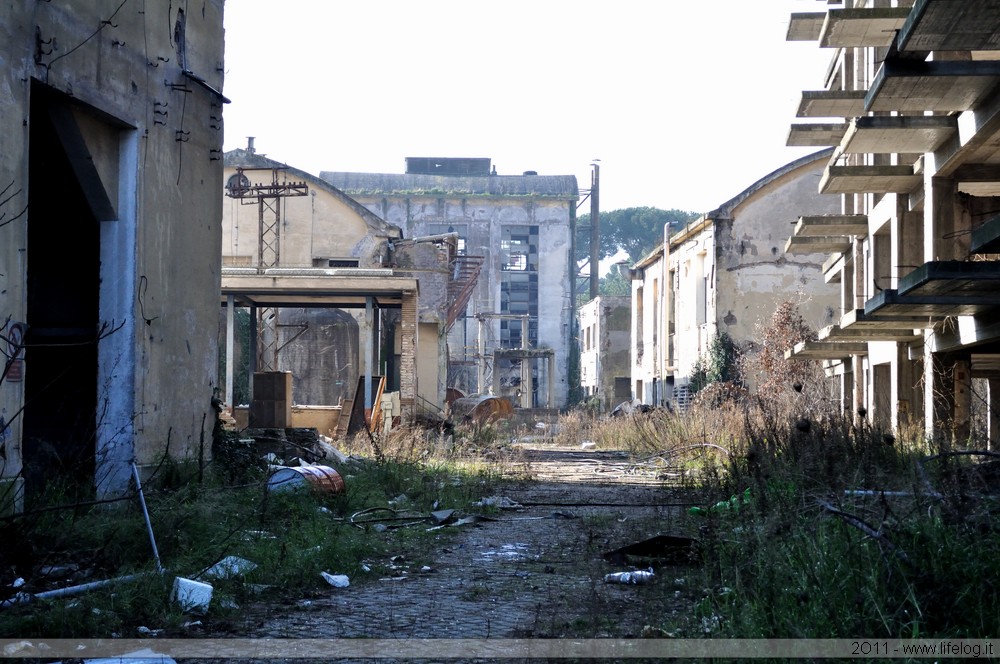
(725, 272)
(521, 226)
(911, 104)
(605, 334)
(345, 300)
(109, 238)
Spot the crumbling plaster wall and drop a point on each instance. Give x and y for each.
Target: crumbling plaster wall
(315, 226)
(613, 336)
(484, 218)
(158, 371)
(606, 321)
(590, 358)
(753, 272)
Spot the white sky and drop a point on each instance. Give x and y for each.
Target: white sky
(685, 102)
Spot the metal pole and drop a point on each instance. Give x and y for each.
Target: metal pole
(145, 514)
(595, 230)
(527, 387)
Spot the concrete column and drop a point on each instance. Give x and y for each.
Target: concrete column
(496, 376)
(552, 380)
(939, 398)
(858, 391)
(526, 387)
(366, 355)
(946, 224)
(994, 415)
(254, 341)
(902, 388)
(409, 340)
(881, 395)
(527, 384)
(230, 343)
(481, 368)
(962, 370)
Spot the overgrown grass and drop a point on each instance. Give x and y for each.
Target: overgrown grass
(801, 539)
(291, 537)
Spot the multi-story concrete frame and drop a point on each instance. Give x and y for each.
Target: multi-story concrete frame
(521, 226)
(726, 272)
(912, 107)
(110, 172)
(605, 334)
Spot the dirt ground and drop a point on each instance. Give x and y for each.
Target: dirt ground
(532, 571)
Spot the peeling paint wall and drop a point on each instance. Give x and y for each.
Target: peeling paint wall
(754, 274)
(604, 348)
(480, 221)
(727, 272)
(152, 135)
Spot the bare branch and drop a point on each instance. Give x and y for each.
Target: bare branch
(864, 527)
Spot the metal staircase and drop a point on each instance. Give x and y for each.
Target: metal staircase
(464, 272)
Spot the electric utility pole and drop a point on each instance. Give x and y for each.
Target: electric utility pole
(595, 230)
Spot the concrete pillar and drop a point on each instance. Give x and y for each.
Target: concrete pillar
(495, 390)
(858, 387)
(481, 368)
(993, 399)
(962, 371)
(902, 389)
(939, 397)
(947, 225)
(552, 381)
(409, 340)
(252, 360)
(366, 353)
(526, 383)
(230, 343)
(881, 400)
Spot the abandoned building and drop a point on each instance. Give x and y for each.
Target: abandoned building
(911, 105)
(514, 337)
(605, 362)
(725, 273)
(333, 295)
(110, 167)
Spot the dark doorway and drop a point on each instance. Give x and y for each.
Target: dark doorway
(63, 258)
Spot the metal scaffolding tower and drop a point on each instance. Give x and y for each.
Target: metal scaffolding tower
(267, 197)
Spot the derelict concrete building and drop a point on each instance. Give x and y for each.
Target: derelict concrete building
(110, 167)
(515, 336)
(605, 361)
(911, 105)
(724, 273)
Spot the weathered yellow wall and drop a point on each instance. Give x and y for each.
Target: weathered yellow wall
(162, 173)
(318, 225)
(432, 365)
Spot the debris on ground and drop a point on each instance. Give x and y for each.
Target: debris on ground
(192, 596)
(321, 479)
(336, 580)
(631, 407)
(442, 517)
(672, 549)
(733, 504)
(500, 502)
(229, 567)
(631, 578)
